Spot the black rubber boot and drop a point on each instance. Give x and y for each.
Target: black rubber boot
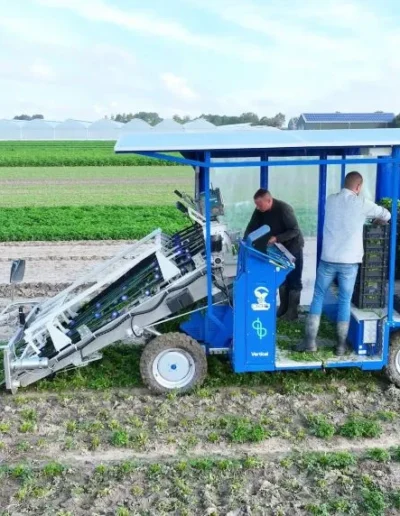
(342, 331)
(292, 313)
(284, 300)
(309, 342)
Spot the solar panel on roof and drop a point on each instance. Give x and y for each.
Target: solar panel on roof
(348, 117)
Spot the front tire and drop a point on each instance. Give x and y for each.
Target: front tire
(393, 367)
(173, 361)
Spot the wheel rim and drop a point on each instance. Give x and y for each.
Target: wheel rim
(397, 362)
(174, 368)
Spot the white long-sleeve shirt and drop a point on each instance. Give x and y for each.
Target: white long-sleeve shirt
(345, 216)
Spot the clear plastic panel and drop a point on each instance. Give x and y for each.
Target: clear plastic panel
(298, 186)
(238, 185)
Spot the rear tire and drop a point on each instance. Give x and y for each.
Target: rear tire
(393, 368)
(173, 361)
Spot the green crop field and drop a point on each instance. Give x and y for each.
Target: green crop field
(68, 153)
(93, 441)
(88, 186)
(31, 198)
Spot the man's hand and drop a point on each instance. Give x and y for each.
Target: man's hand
(272, 241)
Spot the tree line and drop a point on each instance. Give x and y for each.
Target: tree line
(153, 118)
(29, 117)
(250, 118)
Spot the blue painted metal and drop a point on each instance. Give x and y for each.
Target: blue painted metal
(257, 269)
(173, 159)
(264, 172)
(356, 338)
(343, 171)
(208, 236)
(383, 181)
(393, 232)
(254, 326)
(258, 233)
(216, 336)
(323, 169)
(210, 318)
(296, 163)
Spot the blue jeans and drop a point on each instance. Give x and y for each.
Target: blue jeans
(346, 274)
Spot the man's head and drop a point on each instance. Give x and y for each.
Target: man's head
(263, 200)
(354, 181)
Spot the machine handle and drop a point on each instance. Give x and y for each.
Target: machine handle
(178, 193)
(258, 233)
(181, 207)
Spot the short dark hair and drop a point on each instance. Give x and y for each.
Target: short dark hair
(261, 192)
(353, 179)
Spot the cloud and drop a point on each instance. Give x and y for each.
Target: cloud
(178, 86)
(149, 23)
(84, 59)
(41, 70)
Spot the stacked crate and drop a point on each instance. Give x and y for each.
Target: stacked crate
(370, 287)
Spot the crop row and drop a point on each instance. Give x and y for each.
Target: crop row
(86, 222)
(72, 154)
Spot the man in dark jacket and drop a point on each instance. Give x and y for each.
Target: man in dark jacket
(285, 230)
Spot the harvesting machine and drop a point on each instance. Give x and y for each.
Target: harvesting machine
(225, 288)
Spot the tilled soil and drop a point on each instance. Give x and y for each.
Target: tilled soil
(217, 452)
(226, 451)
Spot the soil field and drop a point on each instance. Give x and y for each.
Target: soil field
(94, 441)
(218, 451)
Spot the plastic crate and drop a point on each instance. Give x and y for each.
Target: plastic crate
(379, 244)
(396, 302)
(375, 258)
(364, 299)
(376, 231)
(371, 286)
(371, 272)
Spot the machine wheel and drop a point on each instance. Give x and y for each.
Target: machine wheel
(173, 361)
(393, 367)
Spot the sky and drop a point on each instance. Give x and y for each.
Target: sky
(85, 59)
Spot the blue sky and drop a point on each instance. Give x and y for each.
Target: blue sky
(85, 59)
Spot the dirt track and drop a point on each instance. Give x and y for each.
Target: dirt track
(124, 452)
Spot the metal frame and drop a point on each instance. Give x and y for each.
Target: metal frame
(391, 184)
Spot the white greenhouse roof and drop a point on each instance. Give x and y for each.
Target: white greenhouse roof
(198, 125)
(136, 124)
(258, 139)
(168, 125)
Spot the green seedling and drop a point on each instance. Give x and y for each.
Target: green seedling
(378, 455)
(120, 438)
(53, 469)
(358, 426)
(320, 426)
(26, 427)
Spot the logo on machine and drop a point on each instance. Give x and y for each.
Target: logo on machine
(261, 293)
(259, 328)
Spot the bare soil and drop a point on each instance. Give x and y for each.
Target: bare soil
(230, 451)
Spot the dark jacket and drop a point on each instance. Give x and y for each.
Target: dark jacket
(284, 226)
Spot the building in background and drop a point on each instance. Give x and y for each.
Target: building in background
(344, 120)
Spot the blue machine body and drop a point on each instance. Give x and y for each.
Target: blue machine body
(254, 329)
(247, 331)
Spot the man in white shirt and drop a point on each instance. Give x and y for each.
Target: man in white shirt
(342, 252)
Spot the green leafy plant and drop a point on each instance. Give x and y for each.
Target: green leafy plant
(320, 426)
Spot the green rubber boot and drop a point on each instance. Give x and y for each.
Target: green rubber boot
(309, 342)
(342, 330)
(284, 300)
